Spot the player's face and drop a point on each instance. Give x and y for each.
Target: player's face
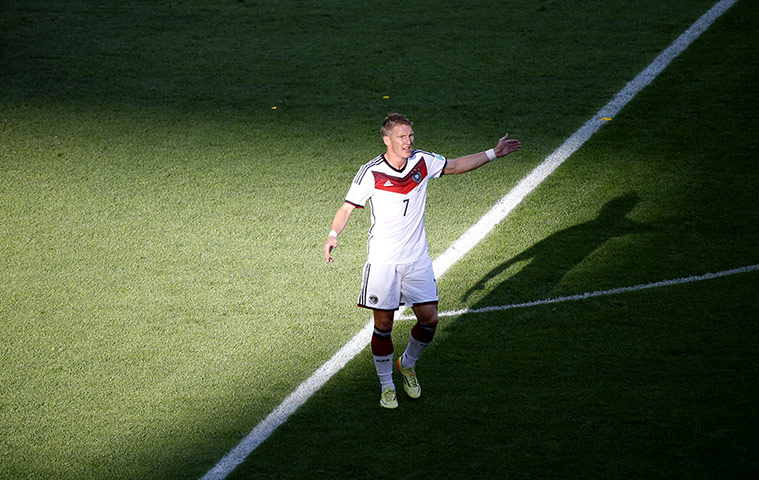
(400, 141)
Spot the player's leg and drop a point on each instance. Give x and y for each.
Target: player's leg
(421, 334)
(382, 347)
(420, 288)
(380, 291)
(382, 352)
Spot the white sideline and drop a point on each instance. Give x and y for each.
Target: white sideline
(467, 241)
(597, 293)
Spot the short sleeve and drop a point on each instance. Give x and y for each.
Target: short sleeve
(360, 190)
(436, 164)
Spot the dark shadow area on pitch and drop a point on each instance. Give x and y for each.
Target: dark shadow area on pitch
(553, 257)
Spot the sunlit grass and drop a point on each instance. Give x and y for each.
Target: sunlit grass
(163, 285)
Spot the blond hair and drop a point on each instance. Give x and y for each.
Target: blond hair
(392, 121)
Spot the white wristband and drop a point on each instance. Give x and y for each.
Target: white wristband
(332, 233)
(491, 154)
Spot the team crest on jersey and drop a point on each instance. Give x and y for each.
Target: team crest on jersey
(403, 185)
(373, 299)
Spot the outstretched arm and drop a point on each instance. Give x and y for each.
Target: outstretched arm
(338, 225)
(476, 160)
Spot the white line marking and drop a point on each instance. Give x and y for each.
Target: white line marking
(597, 293)
(496, 214)
(467, 241)
(289, 405)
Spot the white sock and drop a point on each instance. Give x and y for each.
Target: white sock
(384, 367)
(414, 349)
(415, 346)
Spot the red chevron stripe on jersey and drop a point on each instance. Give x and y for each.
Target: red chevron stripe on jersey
(403, 185)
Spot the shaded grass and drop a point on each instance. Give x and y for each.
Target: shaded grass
(637, 386)
(664, 190)
(163, 285)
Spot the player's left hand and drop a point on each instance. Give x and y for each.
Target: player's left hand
(506, 146)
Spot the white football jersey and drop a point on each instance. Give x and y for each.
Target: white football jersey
(397, 199)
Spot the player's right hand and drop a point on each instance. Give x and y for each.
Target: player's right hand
(328, 247)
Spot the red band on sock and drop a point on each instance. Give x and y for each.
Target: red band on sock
(423, 333)
(382, 345)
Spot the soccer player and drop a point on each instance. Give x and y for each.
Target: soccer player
(398, 269)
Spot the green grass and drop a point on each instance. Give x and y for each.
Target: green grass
(163, 285)
(632, 386)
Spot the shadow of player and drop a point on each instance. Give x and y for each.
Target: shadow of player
(552, 258)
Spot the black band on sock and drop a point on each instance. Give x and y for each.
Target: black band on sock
(430, 328)
(378, 332)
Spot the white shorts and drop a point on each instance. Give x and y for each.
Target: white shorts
(387, 287)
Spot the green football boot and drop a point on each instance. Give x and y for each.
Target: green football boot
(410, 382)
(388, 398)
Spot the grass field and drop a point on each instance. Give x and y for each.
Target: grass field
(162, 281)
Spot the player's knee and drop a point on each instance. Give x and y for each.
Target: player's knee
(430, 321)
(427, 316)
(383, 320)
(384, 324)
